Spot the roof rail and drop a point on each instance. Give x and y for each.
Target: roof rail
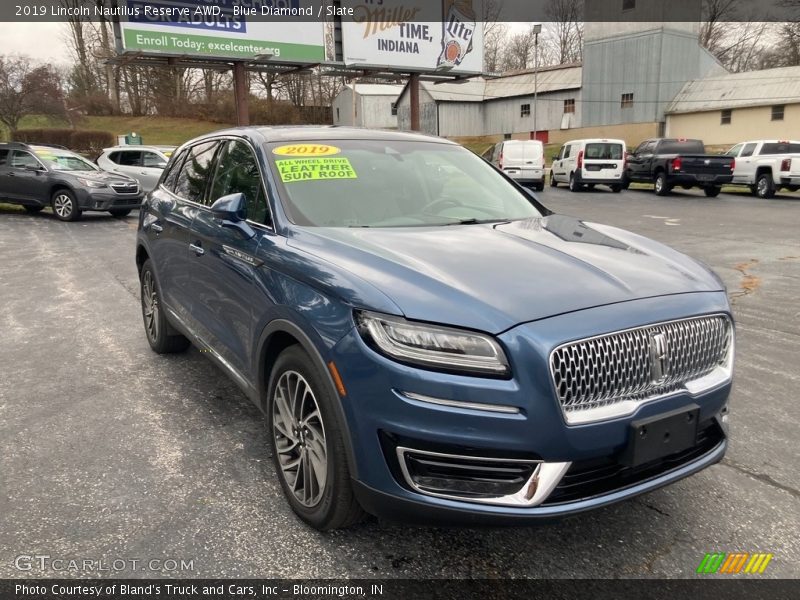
(29, 144)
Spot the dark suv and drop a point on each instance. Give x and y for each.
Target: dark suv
(425, 338)
(37, 176)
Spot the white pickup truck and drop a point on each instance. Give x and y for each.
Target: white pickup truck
(766, 166)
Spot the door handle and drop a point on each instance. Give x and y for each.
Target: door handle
(198, 250)
(156, 227)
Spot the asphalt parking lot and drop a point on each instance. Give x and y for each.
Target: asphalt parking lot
(108, 451)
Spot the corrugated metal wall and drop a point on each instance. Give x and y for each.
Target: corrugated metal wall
(376, 112)
(505, 116)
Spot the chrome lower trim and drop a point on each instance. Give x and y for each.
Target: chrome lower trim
(539, 486)
(495, 408)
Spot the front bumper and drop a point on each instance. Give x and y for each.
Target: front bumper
(104, 199)
(382, 417)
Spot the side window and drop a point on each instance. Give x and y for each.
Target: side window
(3, 157)
(115, 157)
(749, 149)
(649, 147)
(238, 173)
(193, 178)
(153, 160)
(23, 160)
(171, 176)
(735, 150)
(130, 158)
(487, 155)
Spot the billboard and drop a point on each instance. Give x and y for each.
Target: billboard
(418, 35)
(220, 29)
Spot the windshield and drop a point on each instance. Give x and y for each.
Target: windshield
(377, 183)
(63, 160)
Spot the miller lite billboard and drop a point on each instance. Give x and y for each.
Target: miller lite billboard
(418, 35)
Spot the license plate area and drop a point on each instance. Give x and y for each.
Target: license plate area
(704, 177)
(657, 437)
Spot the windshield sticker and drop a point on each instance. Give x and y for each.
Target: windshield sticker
(306, 150)
(314, 169)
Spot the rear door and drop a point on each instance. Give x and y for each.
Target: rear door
(150, 172)
(5, 169)
(603, 160)
(224, 276)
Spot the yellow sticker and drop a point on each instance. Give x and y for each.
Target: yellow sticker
(315, 169)
(306, 150)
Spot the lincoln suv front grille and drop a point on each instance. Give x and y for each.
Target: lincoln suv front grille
(609, 375)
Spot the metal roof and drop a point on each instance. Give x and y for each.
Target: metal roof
(752, 88)
(548, 79)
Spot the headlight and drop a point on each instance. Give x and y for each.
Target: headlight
(91, 183)
(433, 346)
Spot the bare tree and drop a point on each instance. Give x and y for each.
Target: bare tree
(27, 88)
(565, 30)
(717, 16)
(519, 50)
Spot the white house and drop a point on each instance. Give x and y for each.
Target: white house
(374, 106)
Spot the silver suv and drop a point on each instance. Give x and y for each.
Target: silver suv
(144, 163)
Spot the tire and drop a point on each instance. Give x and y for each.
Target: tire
(590, 186)
(574, 185)
(32, 210)
(323, 496)
(65, 206)
(616, 188)
(765, 187)
(712, 191)
(793, 188)
(120, 214)
(160, 334)
(553, 182)
(660, 186)
(539, 187)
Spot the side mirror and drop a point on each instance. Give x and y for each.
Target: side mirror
(232, 211)
(161, 165)
(33, 168)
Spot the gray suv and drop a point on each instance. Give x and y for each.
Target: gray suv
(37, 176)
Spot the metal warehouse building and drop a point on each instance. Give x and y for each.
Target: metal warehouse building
(374, 106)
(728, 109)
(503, 105)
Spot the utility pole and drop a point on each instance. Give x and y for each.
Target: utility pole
(240, 92)
(413, 90)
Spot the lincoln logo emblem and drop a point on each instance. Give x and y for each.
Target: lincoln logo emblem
(659, 358)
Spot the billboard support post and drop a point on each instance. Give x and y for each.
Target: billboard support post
(240, 91)
(413, 89)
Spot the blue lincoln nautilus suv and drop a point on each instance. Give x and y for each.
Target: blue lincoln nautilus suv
(426, 340)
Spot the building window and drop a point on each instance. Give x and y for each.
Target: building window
(627, 101)
(394, 109)
(506, 136)
(628, 4)
(725, 117)
(338, 118)
(525, 110)
(569, 105)
(777, 112)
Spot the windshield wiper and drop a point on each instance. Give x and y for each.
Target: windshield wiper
(476, 222)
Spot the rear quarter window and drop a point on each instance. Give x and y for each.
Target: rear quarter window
(678, 147)
(780, 148)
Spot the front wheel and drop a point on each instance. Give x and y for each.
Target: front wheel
(120, 214)
(160, 335)
(616, 188)
(553, 182)
(574, 185)
(307, 446)
(65, 206)
(712, 191)
(661, 187)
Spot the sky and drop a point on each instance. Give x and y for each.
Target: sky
(42, 41)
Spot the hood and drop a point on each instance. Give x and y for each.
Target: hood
(493, 277)
(104, 176)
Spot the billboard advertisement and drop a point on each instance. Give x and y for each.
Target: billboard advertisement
(418, 35)
(220, 29)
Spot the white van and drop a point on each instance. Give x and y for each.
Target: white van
(522, 160)
(590, 162)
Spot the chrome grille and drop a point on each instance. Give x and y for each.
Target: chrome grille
(630, 365)
(125, 188)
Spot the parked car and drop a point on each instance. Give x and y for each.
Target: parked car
(667, 163)
(427, 340)
(766, 166)
(590, 162)
(522, 160)
(144, 163)
(37, 176)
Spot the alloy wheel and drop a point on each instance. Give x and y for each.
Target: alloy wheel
(299, 436)
(763, 187)
(63, 206)
(150, 306)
